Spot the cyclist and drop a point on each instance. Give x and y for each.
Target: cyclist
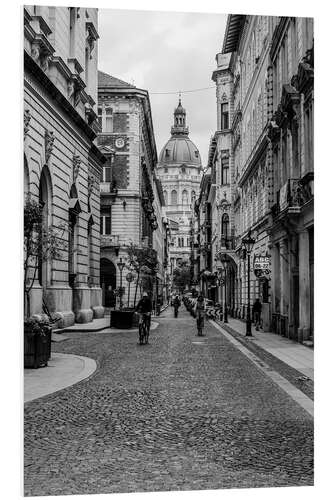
(200, 314)
(144, 308)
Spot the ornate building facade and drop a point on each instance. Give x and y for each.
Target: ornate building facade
(179, 169)
(261, 170)
(62, 165)
(131, 195)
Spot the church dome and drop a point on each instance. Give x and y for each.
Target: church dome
(179, 148)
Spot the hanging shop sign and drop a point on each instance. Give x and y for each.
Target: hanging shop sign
(129, 277)
(262, 265)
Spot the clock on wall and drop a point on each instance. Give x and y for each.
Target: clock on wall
(120, 143)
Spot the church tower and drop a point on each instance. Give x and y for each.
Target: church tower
(180, 170)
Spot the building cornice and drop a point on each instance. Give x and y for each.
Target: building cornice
(57, 96)
(235, 24)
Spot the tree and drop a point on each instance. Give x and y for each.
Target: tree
(143, 261)
(40, 244)
(182, 276)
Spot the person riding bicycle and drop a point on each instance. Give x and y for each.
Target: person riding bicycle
(176, 304)
(144, 305)
(144, 308)
(200, 313)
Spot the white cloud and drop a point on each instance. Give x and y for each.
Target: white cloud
(164, 51)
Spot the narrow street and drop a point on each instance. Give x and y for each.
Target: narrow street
(183, 412)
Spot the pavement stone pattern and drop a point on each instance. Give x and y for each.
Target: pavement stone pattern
(304, 384)
(181, 413)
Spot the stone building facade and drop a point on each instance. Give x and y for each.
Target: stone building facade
(131, 198)
(261, 168)
(179, 169)
(62, 165)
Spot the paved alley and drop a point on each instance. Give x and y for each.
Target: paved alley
(183, 412)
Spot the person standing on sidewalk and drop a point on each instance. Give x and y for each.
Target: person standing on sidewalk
(256, 311)
(176, 305)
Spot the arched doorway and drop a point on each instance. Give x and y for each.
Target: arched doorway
(108, 277)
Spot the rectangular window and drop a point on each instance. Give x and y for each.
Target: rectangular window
(106, 174)
(224, 116)
(225, 169)
(105, 222)
(108, 120)
(99, 112)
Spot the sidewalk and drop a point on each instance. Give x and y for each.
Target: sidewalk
(62, 371)
(94, 326)
(292, 353)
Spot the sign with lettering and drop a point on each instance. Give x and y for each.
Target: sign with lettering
(261, 265)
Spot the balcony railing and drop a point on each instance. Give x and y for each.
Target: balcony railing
(293, 195)
(108, 240)
(107, 187)
(228, 243)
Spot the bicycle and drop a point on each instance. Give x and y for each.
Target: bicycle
(144, 328)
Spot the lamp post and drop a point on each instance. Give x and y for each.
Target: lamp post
(224, 261)
(248, 243)
(121, 266)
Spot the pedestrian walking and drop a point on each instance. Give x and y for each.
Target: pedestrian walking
(199, 310)
(256, 312)
(176, 305)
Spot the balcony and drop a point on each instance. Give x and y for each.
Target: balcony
(110, 241)
(228, 243)
(108, 188)
(293, 195)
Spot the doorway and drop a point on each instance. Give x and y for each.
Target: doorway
(108, 277)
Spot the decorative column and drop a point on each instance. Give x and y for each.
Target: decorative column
(275, 286)
(304, 287)
(284, 279)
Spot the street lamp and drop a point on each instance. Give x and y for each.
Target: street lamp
(224, 261)
(121, 266)
(248, 243)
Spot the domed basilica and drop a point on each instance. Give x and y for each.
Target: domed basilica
(179, 169)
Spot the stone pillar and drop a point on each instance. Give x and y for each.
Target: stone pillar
(275, 279)
(304, 287)
(284, 277)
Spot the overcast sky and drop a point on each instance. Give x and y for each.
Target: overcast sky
(165, 52)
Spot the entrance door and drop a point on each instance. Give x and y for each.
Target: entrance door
(108, 282)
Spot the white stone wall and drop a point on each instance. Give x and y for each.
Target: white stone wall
(69, 139)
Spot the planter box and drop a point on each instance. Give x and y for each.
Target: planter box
(122, 319)
(37, 349)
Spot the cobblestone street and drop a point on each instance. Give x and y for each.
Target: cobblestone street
(181, 413)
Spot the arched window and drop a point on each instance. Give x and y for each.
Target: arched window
(45, 200)
(224, 116)
(165, 194)
(225, 226)
(185, 197)
(193, 196)
(173, 197)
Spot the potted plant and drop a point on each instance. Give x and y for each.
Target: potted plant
(37, 342)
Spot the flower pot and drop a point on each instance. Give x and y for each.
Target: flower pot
(37, 348)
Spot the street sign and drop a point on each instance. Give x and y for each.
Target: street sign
(129, 277)
(261, 265)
